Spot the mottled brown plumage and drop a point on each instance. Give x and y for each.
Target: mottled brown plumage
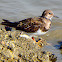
(33, 24)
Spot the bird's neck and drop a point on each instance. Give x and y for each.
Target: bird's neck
(46, 18)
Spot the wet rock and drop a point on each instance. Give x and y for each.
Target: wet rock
(14, 48)
(7, 28)
(59, 46)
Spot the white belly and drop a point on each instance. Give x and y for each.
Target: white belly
(39, 32)
(29, 35)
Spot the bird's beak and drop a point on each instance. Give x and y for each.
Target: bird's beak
(55, 16)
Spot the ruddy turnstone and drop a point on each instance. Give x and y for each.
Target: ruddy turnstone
(36, 25)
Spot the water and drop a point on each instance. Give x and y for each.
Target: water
(16, 10)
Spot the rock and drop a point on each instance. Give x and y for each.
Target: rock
(15, 48)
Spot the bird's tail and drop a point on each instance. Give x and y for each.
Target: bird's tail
(8, 23)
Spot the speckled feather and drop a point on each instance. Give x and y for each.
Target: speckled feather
(32, 24)
(41, 23)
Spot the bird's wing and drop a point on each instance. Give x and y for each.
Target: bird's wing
(30, 24)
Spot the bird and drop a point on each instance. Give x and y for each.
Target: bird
(36, 25)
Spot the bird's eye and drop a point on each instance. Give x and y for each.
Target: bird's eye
(49, 13)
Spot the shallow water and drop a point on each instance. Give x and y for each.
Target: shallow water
(16, 10)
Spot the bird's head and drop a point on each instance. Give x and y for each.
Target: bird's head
(48, 14)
